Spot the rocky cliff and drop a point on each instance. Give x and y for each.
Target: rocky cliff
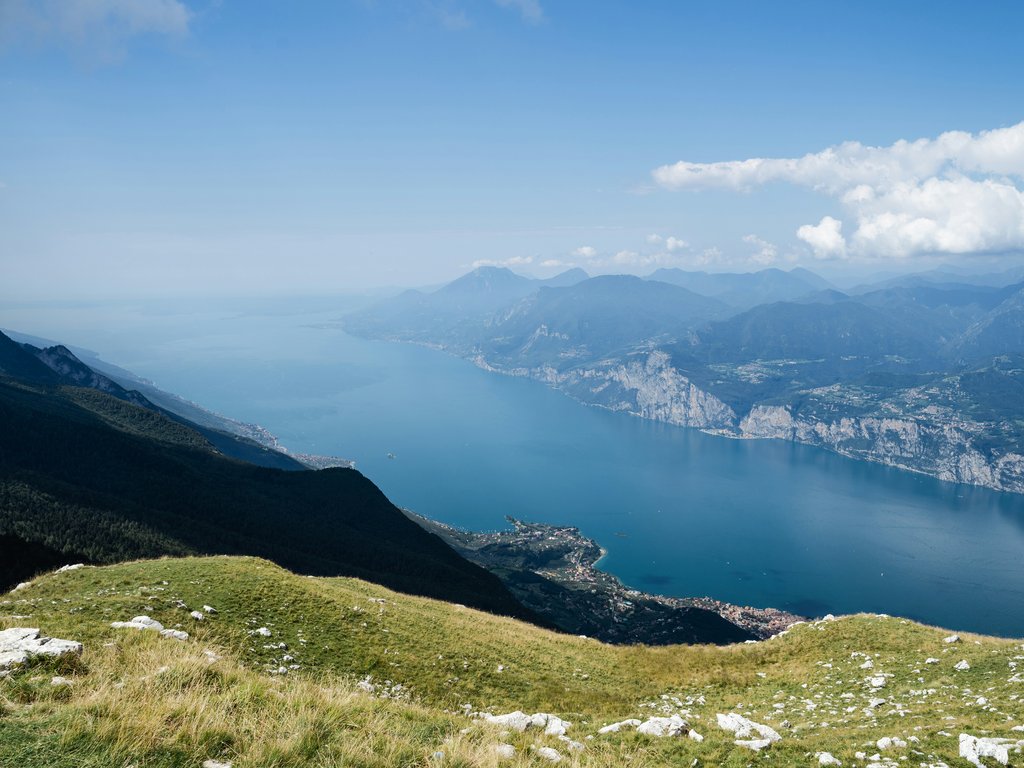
(931, 440)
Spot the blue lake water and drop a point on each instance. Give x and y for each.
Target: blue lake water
(753, 522)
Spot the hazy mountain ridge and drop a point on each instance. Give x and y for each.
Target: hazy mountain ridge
(921, 375)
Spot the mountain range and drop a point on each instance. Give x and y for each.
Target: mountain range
(921, 374)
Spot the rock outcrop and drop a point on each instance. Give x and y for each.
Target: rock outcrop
(21, 645)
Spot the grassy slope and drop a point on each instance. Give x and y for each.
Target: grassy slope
(122, 709)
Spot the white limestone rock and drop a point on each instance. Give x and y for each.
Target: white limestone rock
(890, 742)
(553, 755)
(973, 748)
(661, 727)
(962, 666)
(755, 744)
(505, 751)
(743, 729)
(19, 645)
(616, 727)
(520, 721)
(826, 758)
(144, 623)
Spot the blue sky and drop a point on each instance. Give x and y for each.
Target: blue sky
(154, 147)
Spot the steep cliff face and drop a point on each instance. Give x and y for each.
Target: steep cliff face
(933, 441)
(942, 448)
(648, 387)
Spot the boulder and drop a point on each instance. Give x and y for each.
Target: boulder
(520, 721)
(549, 754)
(664, 726)
(19, 645)
(616, 727)
(146, 623)
(973, 748)
(744, 729)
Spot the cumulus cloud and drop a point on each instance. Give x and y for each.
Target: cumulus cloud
(957, 193)
(670, 243)
(529, 10)
(765, 252)
(584, 252)
(98, 28)
(825, 237)
(673, 244)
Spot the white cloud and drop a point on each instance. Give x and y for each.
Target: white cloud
(515, 261)
(765, 253)
(629, 258)
(943, 215)
(957, 193)
(825, 237)
(556, 263)
(670, 243)
(530, 10)
(584, 252)
(98, 28)
(673, 244)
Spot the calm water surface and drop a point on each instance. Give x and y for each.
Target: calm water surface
(754, 522)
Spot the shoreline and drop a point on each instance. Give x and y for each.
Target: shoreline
(553, 571)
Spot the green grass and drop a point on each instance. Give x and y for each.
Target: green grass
(142, 700)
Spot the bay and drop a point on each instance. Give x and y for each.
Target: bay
(765, 523)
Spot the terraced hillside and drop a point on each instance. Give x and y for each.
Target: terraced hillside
(284, 670)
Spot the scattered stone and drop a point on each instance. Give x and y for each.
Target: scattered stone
(74, 567)
(972, 749)
(520, 721)
(826, 758)
(22, 585)
(505, 750)
(888, 742)
(664, 726)
(216, 764)
(19, 645)
(951, 639)
(963, 666)
(209, 609)
(878, 681)
(931, 660)
(755, 744)
(549, 754)
(262, 631)
(146, 623)
(197, 615)
(616, 727)
(744, 728)
(59, 681)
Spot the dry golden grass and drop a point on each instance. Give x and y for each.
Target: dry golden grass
(138, 699)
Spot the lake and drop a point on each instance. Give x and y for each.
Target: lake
(760, 523)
